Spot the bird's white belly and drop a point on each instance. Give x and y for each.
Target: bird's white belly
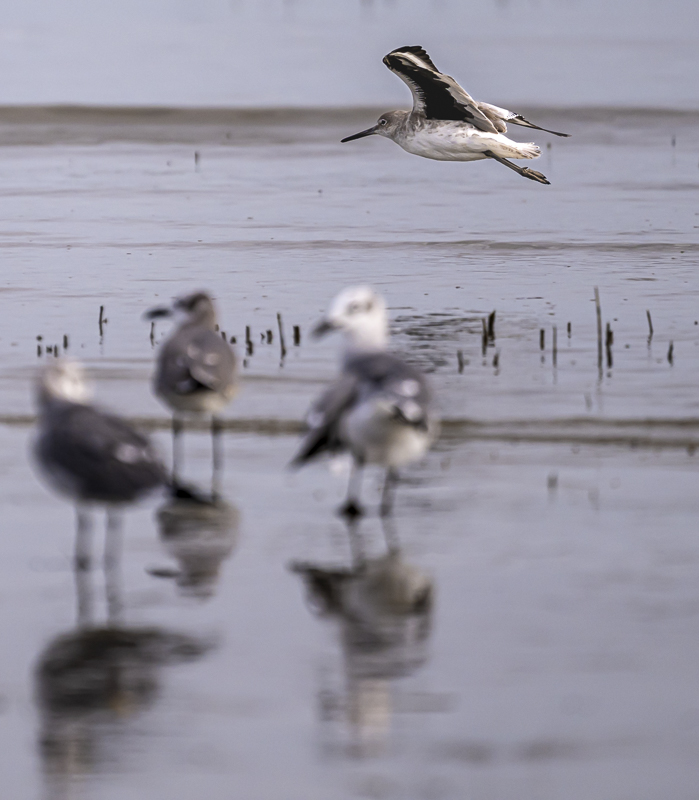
(373, 434)
(462, 142)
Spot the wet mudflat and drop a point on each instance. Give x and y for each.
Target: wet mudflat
(554, 653)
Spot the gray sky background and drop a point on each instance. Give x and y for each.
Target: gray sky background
(327, 52)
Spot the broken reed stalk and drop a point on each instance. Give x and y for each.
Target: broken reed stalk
(248, 342)
(491, 326)
(608, 342)
(65, 341)
(152, 334)
(484, 338)
(496, 359)
(555, 345)
(670, 356)
(569, 328)
(101, 321)
(542, 339)
(460, 360)
(297, 335)
(282, 343)
(598, 309)
(650, 326)
(270, 337)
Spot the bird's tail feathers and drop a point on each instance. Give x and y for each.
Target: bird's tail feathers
(528, 150)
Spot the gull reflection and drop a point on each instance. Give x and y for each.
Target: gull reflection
(200, 534)
(91, 681)
(382, 610)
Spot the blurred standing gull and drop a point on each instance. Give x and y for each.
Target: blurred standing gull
(446, 123)
(378, 410)
(195, 372)
(90, 455)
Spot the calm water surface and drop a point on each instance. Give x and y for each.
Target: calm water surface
(536, 639)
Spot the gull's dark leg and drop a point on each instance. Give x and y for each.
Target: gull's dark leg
(217, 457)
(388, 492)
(352, 508)
(525, 172)
(355, 541)
(83, 565)
(112, 565)
(176, 448)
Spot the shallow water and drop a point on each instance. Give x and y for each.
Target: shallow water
(557, 658)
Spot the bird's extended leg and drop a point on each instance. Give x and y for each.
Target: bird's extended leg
(388, 492)
(112, 565)
(216, 457)
(525, 172)
(83, 565)
(352, 508)
(176, 448)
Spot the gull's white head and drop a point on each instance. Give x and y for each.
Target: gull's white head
(63, 380)
(360, 314)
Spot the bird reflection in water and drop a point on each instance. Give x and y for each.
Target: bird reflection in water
(200, 534)
(91, 681)
(382, 610)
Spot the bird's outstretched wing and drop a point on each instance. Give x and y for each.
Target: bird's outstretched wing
(500, 116)
(435, 95)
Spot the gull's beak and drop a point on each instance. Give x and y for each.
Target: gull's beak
(158, 311)
(323, 327)
(361, 134)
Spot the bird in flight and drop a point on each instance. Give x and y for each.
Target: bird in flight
(446, 123)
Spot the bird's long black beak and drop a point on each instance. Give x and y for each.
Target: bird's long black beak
(158, 311)
(323, 327)
(361, 134)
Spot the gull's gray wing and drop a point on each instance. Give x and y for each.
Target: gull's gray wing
(323, 420)
(96, 456)
(500, 116)
(435, 95)
(397, 382)
(195, 359)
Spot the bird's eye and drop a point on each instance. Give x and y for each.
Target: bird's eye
(353, 308)
(382, 122)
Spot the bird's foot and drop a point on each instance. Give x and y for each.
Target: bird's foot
(532, 174)
(351, 510)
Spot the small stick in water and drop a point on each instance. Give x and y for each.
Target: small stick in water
(496, 359)
(491, 326)
(609, 341)
(542, 339)
(484, 338)
(65, 341)
(270, 337)
(650, 326)
(152, 334)
(569, 329)
(38, 349)
(196, 160)
(223, 336)
(248, 341)
(555, 344)
(670, 356)
(282, 344)
(101, 321)
(55, 350)
(297, 335)
(233, 340)
(598, 309)
(460, 360)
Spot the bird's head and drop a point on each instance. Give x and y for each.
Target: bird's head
(197, 307)
(63, 379)
(360, 314)
(388, 125)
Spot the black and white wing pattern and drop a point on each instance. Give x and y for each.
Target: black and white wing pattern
(500, 116)
(435, 95)
(195, 360)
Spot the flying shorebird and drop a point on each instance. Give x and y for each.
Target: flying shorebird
(195, 372)
(446, 123)
(379, 409)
